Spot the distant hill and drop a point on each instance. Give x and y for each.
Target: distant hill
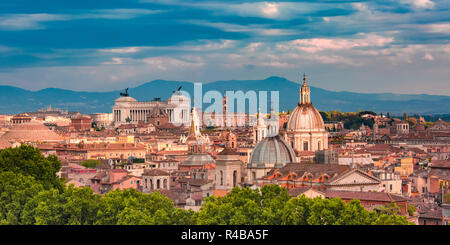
(16, 100)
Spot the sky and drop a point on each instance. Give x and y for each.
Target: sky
(399, 46)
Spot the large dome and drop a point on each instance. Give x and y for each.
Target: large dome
(33, 131)
(271, 152)
(305, 118)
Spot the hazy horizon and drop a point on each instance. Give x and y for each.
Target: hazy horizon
(143, 83)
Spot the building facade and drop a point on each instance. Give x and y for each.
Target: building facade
(127, 109)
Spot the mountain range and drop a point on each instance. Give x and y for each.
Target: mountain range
(16, 100)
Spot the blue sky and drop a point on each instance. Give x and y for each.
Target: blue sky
(397, 46)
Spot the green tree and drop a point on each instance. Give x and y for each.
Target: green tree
(129, 207)
(411, 210)
(325, 211)
(297, 211)
(29, 161)
(80, 206)
(447, 198)
(90, 163)
(244, 206)
(183, 217)
(46, 208)
(393, 208)
(16, 190)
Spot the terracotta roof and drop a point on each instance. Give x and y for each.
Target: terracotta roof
(155, 172)
(220, 193)
(176, 196)
(311, 168)
(432, 214)
(228, 151)
(440, 164)
(99, 175)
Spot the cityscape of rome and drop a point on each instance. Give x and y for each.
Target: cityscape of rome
(256, 113)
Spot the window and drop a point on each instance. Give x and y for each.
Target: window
(305, 146)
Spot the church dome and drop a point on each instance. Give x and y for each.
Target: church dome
(272, 152)
(198, 159)
(305, 118)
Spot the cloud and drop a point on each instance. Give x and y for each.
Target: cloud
(19, 22)
(423, 4)
(4, 49)
(314, 45)
(124, 50)
(115, 61)
(443, 28)
(167, 63)
(115, 13)
(254, 29)
(428, 56)
(270, 9)
(27, 21)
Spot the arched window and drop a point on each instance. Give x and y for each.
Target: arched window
(319, 146)
(158, 184)
(151, 184)
(165, 183)
(221, 177)
(234, 178)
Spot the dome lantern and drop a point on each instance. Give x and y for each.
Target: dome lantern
(305, 92)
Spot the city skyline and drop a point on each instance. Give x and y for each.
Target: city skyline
(369, 46)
